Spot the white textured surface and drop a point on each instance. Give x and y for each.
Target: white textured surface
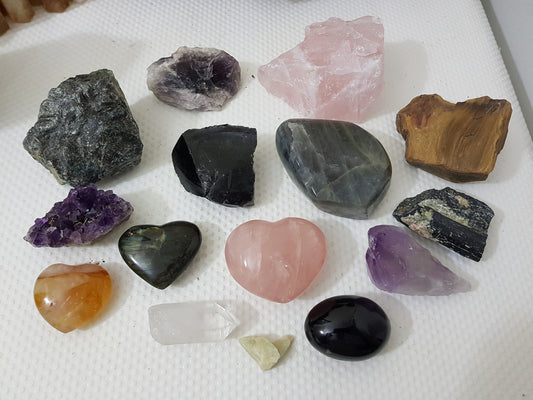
(469, 346)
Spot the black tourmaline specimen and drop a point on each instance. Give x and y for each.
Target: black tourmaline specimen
(451, 218)
(85, 131)
(217, 163)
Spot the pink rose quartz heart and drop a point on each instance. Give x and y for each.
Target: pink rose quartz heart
(276, 260)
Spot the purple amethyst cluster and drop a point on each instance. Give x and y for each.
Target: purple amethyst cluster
(86, 214)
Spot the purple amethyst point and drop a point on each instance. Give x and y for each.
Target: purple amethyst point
(398, 264)
(86, 214)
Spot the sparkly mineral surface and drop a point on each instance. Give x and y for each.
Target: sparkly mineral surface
(458, 142)
(266, 353)
(191, 322)
(335, 73)
(159, 254)
(276, 260)
(454, 219)
(398, 264)
(70, 296)
(339, 166)
(85, 215)
(85, 131)
(217, 163)
(196, 78)
(350, 328)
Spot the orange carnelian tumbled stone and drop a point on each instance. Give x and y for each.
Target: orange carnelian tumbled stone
(69, 296)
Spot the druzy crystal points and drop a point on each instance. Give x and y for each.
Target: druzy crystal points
(339, 166)
(192, 322)
(217, 163)
(458, 142)
(276, 260)
(70, 296)
(350, 328)
(454, 219)
(335, 73)
(85, 215)
(85, 130)
(196, 78)
(398, 264)
(160, 254)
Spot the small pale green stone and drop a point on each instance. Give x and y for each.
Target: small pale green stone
(265, 352)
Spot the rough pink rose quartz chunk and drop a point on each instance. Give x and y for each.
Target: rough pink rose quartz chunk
(276, 260)
(398, 264)
(335, 73)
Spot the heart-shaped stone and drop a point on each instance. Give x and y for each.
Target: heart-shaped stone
(70, 296)
(276, 260)
(159, 254)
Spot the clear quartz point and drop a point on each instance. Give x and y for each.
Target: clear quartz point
(192, 322)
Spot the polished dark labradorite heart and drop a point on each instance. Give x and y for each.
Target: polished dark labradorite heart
(339, 166)
(159, 254)
(347, 327)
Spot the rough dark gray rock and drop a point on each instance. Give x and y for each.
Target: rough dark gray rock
(85, 131)
(454, 219)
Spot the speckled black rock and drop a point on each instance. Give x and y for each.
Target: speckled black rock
(217, 163)
(339, 166)
(85, 131)
(159, 254)
(454, 219)
(351, 328)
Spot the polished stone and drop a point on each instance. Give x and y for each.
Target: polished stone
(266, 353)
(159, 254)
(339, 166)
(196, 78)
(70, 296)
(458, 142)
(190, 322)
(398, 264)
(454, 219)
(348, 328)
(84, 216)
(276, 260)
(85, 131)
(335, 73)
(217, 163)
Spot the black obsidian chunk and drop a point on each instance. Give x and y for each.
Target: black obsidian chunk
(454, 219)
(350, 328)
(217, 163)
(85, 131)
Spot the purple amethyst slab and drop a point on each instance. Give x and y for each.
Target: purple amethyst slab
(398, 264)
(86, 214)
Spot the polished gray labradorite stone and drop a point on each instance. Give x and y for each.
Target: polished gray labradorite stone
(339, 166)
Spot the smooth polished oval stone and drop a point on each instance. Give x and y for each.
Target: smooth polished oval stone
(159, 254)
(339, 166)
(276, 260)
(70, 296)
(349, 328)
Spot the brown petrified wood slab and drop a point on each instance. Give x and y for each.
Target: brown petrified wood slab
(458, 142)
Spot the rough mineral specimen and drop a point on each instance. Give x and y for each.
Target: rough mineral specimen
(159, 254)
(85, 131)
(339, 166)
(266, 353)
(217, 163)
(350, 328)
(458, 142)
(192, 322)
(195, 78)
(335, 73)
(451, 218)
(276, 260)
(398, 264)
(70, 296)
(86, 214)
